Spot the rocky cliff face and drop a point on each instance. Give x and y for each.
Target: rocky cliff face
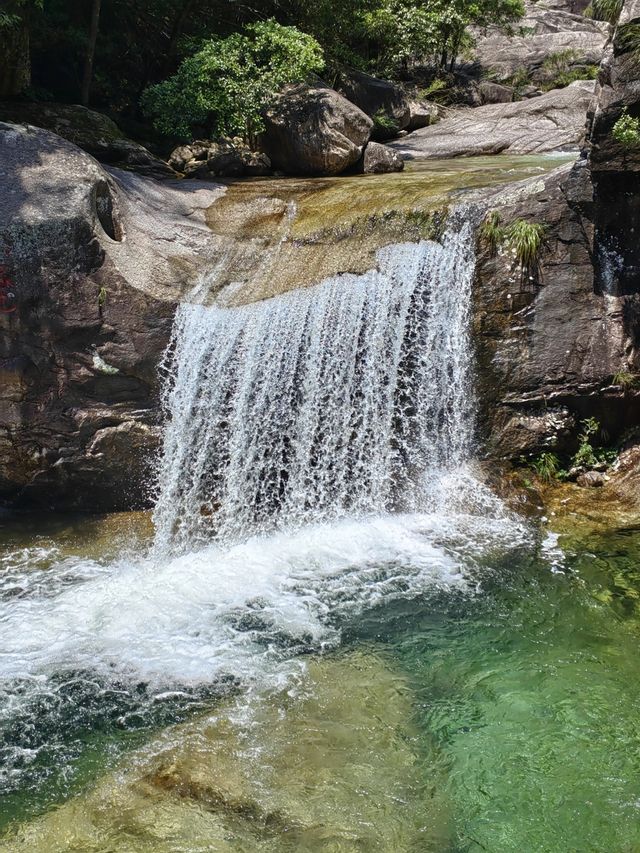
(552, 340)
(90, 267)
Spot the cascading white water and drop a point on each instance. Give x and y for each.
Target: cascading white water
(344, 399)
(314, 467)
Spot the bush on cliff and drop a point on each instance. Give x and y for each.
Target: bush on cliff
(224, 87)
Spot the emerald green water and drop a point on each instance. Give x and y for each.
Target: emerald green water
(522, 706)
(530, 694)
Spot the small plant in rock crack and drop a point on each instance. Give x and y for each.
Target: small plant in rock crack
(492, 232)
(546, 466)
(525, 239)
(604, 10)
(626, 130)
(625, 380)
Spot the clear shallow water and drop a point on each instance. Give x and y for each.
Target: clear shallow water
(521, 668)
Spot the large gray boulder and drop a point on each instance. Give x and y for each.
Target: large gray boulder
(93, 132)
(382, 100)
(554, 121)
(313, 130)
(96, 261)
(548, 28)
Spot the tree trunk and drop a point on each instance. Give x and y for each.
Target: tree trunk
(91, 50)
(15, 65)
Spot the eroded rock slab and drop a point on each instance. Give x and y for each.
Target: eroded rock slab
(552, 122)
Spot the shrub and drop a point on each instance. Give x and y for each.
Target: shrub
(624, 379)
(382, 121)
(224, 87)
(525, 239)
(626, 130)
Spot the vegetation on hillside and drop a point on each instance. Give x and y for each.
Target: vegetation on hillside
(107, 53)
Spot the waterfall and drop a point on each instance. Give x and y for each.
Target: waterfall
(349, 398)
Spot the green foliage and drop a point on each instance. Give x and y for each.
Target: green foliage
(605, 10)
(492, 232)
(546, 466)
(384, 122)
(625, 380)
(525, 239)
(627, 39)
(519, 81)
(626, 130)
(407, 32)
(224, 87)
(562, 68)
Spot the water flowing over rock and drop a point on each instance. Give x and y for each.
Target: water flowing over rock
(350, 397)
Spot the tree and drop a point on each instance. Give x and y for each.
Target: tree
(224, 87)
(412, 31)
(15, 64)
(90, 52)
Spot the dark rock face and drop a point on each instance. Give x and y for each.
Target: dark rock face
(93, 132)
(314, 131)
(616, 167)
(93, 263)
(548, 343)
(381, 100)
(554, 121)
(378, 159)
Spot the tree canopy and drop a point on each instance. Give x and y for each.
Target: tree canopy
(110, 51)
(225, 85)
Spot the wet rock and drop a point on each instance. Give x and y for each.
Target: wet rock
(313, 767)
(544, 367)
(379, 158)
(591, 479)
(93, 132)
(554, 121)
(96, 261)
(381, 100)
(314, 131)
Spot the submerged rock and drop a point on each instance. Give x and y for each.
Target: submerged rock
(314, 131)
(554, 121)
(312, 768)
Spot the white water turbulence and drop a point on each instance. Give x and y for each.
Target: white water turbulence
(315, 466)
(350, 398)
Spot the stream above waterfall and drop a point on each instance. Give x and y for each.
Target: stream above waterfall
(331, 635)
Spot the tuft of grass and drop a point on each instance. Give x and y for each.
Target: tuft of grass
(627, 39)
(624, 380)
(492, 232)
(604, 10)
(546, 466)
(626, 130)
(525, 239)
